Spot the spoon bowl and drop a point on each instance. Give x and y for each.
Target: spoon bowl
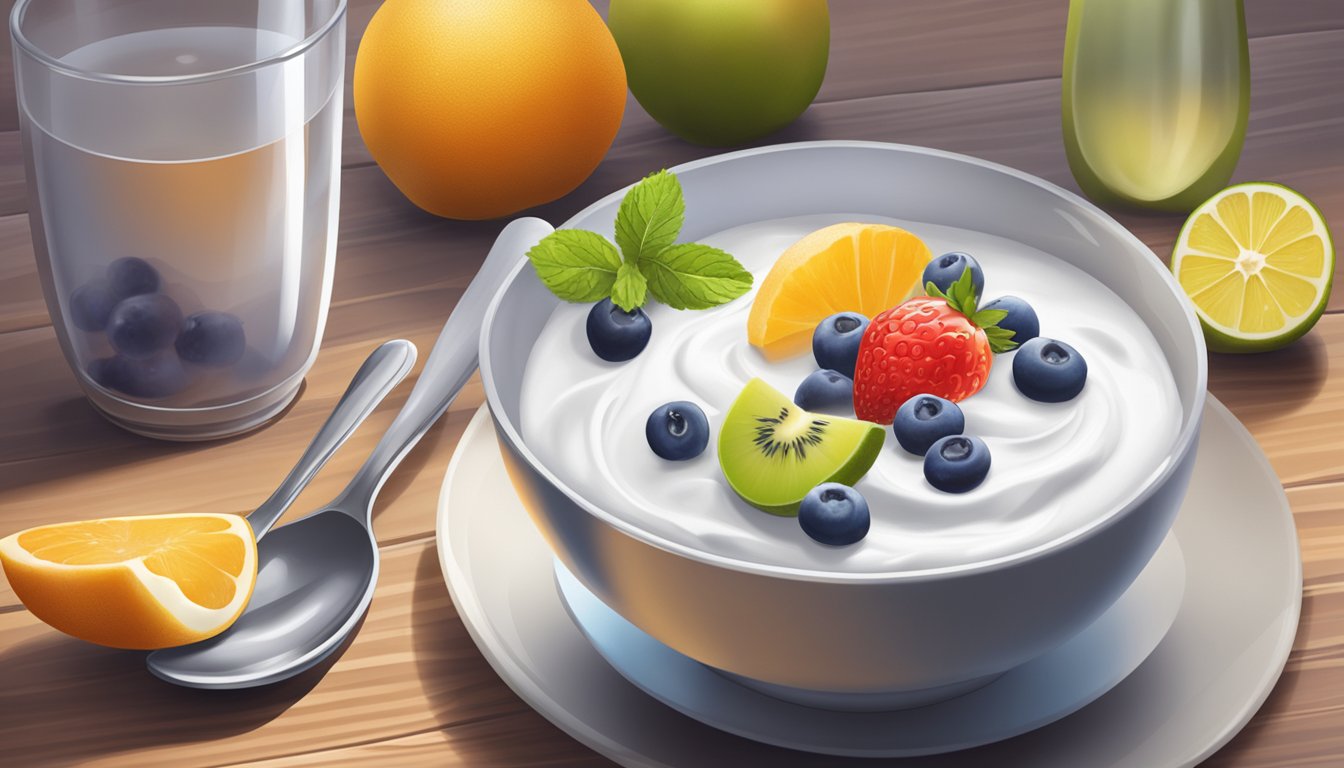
(315, 578)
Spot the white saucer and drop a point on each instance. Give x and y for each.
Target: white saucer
(1207, 676)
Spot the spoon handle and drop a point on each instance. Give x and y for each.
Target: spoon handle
(450, 364)
(380, 373)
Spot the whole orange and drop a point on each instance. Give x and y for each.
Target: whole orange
(480, 108)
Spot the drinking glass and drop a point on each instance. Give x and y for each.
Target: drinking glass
(183, 162)
(1156, 94)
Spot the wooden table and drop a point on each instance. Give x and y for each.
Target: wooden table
(972, 76)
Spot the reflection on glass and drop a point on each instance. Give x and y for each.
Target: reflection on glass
(1155, 98)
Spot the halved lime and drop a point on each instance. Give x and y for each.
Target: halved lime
(1257, 262)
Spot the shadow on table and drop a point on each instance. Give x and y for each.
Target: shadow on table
(410, 468)
(73, 424)
(1270, 384)
(64, 701)
(462, 688)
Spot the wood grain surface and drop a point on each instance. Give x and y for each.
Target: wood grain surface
(973, 76)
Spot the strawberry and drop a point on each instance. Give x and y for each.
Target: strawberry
(938, 344)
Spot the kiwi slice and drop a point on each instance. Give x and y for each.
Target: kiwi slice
(774, 452)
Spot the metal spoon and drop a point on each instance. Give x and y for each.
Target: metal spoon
(380, 373)
(316, 575)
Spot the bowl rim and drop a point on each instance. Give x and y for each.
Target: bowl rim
(1183, 444)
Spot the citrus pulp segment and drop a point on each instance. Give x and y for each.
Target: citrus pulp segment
(1257, 262)
(850, 267)
(135, 582)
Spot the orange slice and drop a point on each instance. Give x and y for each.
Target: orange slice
(852, 267)
(135, 582)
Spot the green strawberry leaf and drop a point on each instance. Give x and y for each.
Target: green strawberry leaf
(1000, 339)
(630, 288)
(650, 216)
(987, 317)
(576, 265)
(694, 276)
(960, 295)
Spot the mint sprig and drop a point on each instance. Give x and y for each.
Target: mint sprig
(582, 266)
(694, 276)
(650, 216)
(961, 297)
(630, 289)
(576, 265)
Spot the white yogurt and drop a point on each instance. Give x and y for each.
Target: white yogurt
(1055, 467)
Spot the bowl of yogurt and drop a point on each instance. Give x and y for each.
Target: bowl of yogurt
(947, 590)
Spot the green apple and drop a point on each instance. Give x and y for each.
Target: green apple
(723, 72)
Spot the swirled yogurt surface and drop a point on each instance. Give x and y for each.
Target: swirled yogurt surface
(1056, 467)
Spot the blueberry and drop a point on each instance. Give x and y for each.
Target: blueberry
(1021, 319)
(150, 378)
(956, 463)
(677, 431)
(825, 391)
(211, 338)
(1049, 371)
(834, 514)
(142, 325)
(946, 270)
(616, 335)
(132, 277)
(923, 420)
(835, 342)
(91, 304)
(105, 372)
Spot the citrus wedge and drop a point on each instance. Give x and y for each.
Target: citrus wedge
(1257, 262)
(851, 267)
(135, 582)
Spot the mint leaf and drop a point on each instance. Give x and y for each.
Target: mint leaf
(576, 265)
(694, 276)
(650, 216)
(630, 287)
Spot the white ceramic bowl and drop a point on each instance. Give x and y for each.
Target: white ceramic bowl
(869, 639)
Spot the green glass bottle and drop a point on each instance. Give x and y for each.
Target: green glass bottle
(1156, 94)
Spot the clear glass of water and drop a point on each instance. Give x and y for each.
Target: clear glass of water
(183, 161)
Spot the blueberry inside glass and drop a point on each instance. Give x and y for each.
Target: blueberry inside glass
(142, 325)
(132, 276)
(212, 339)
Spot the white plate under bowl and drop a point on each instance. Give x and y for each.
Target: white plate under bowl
(1020, 700)
(1207, 676)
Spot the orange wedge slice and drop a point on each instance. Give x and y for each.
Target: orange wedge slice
(135, 582)
(851, 267)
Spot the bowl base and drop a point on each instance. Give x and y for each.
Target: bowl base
(879, 701)
(1021, 699)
